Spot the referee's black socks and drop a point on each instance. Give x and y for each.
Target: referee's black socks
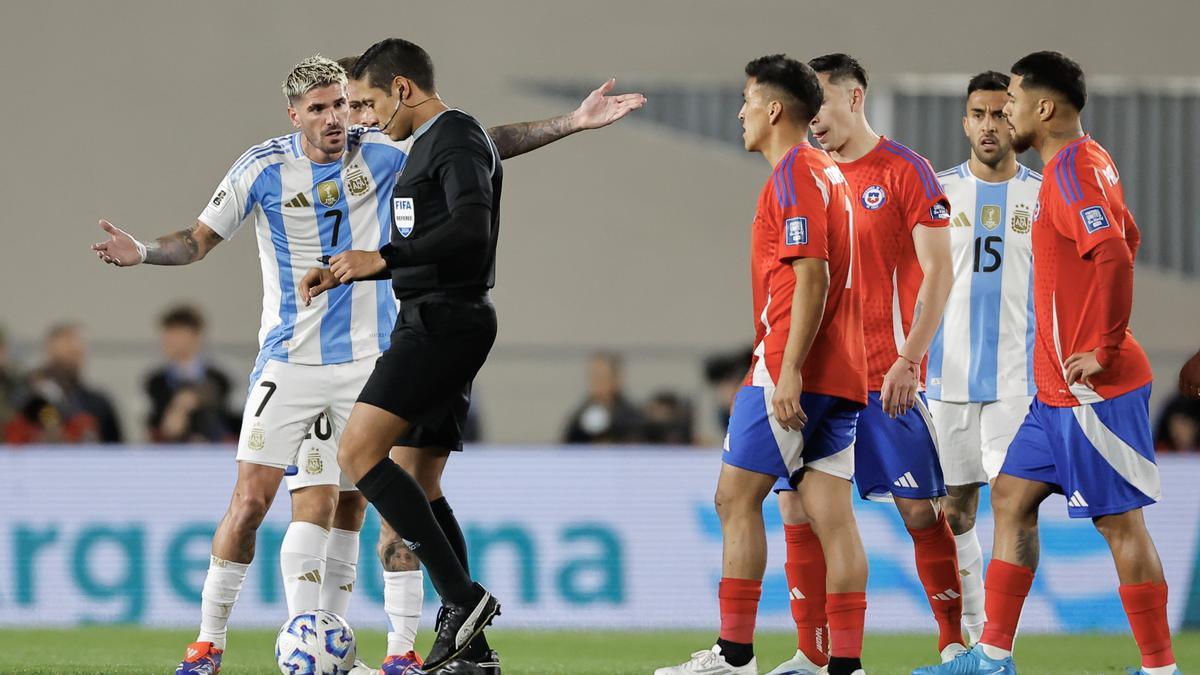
(454, 534)
(402, 503)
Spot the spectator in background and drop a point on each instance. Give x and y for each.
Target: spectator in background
(667, 420)
(726, 373)
(189, 397)
(12, 385)
(59, 382)
(1189, 377)
(45, 417)
(1178, 427)
(605, 416)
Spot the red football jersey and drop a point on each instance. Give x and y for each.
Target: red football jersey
(1080, 205)
(893, 189)
(804, 211)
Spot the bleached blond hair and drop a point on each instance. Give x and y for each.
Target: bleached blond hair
(315, 71)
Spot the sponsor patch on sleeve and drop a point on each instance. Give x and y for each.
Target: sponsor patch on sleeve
(220, 198)
(1094, 218)
(797, 231)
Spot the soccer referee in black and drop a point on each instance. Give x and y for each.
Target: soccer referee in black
(441, 259)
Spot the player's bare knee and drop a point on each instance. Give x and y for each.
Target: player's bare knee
(350, 512)
(247, 510)
(350, 460)
(960, 521)
(315, 504)
(960, 506)
(1120, 528)
(728, 503)
(1010, 509)
(791, 508)
(918, 514)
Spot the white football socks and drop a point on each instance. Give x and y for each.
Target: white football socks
(302, 562)
(1161, 670)
(403, 595)
(341, 569)
(970, 568)
(221, 588)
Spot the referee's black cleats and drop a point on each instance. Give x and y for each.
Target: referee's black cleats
(487, 659)
(457, 626)
(460, 667)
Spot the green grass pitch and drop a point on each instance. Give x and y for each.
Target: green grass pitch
(128, 650)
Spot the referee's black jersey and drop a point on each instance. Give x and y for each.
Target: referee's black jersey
(452, 164)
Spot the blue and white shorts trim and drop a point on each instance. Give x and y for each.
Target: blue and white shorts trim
(1099, 455)
(897, 457)
(756, 442)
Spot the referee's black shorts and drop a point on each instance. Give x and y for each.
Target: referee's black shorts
(440, 342)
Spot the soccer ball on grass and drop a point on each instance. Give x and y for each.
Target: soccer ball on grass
(315, 643)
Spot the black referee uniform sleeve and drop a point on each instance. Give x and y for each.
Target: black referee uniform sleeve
(465, 173)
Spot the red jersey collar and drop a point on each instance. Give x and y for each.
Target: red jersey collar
(882, 139)
(1082, 139)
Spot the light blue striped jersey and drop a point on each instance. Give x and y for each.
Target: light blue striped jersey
(303, 210)
(983, 351)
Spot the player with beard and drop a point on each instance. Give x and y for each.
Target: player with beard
(308, 194)
(978, 397)
(1087, 435)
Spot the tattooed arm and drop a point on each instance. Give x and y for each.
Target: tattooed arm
(517, 139)
(180, 248)
(596, 111)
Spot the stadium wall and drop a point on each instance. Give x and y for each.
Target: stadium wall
(598, 538)
(631, 239)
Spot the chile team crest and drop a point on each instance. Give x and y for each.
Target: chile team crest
(874, 197)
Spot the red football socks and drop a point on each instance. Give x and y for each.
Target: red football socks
(805, 569)
(847, 614)
(1146, 606)
(937, 566)
(1006, 587)
(739, 608)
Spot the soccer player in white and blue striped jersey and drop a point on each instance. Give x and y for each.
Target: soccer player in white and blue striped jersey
(320, 191)
(981, 360)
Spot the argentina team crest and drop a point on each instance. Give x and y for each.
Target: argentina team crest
(404, 214)
(874, 197)
(357, 183)
(1021, 219)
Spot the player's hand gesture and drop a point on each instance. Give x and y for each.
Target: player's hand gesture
(1189, 377)
(786, 401)
(1082, 367)
(600, 110)
(356, 265)
(900, 385)
(121, 249)
(315, 282)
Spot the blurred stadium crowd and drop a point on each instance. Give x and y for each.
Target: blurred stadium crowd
(46, 398)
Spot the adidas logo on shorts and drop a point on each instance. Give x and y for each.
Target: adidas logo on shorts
(906, 481)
